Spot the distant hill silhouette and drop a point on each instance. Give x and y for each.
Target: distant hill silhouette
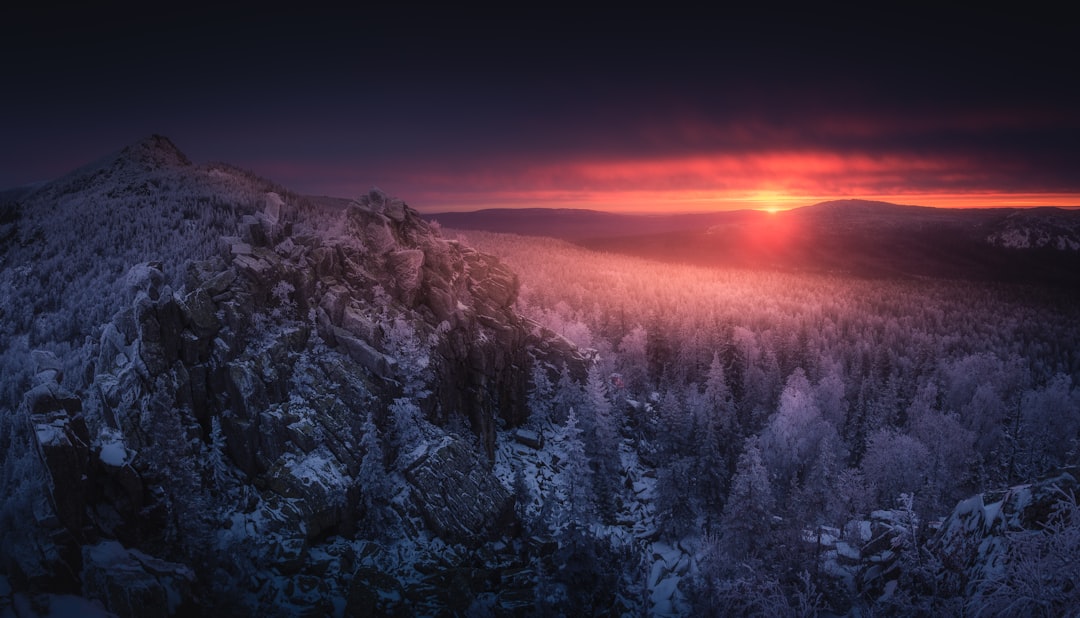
(860, 237)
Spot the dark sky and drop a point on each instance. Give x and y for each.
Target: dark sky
(645, 110)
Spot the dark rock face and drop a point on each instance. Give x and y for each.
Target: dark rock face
(62, 442)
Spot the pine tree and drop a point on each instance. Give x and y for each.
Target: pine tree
(605, 445)
(522, 498)
(541, 395)
(718, 396)
(748, 513)
(677, 424)
(568, 395)
(633, 359)
(710, 470)
(216, 464)
(576, 475)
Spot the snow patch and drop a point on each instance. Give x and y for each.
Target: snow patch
(113, 452)
(52, 433)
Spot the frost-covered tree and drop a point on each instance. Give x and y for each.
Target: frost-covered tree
(412, 351)
(1039, 575)
(541, 394)
(182, 504)
(604, 451)
(1050, 432)
(831, 396)
(951, 449)
(794, 435)
(676, 424)
(216, 463)
(723, 588)
(718, 398)
(633, 359)
(676, 496)
(748, 513)
(895, 464)
(576, 474)
(817, 501)
(568, 394)
(23, 482)
(710, 466)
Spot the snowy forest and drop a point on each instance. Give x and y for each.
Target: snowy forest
(219, 396)
(776, 409)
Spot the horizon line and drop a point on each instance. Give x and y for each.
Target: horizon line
(943, 202)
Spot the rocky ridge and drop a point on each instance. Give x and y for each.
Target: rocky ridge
(222, 419)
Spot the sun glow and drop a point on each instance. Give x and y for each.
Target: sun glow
(767, 181)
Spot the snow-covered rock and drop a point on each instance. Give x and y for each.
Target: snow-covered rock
(973, 538)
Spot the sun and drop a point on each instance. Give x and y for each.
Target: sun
(771, 202)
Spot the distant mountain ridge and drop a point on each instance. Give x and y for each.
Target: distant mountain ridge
(580, 224)
(862, 237)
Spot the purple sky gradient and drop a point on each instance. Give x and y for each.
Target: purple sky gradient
(461, 110)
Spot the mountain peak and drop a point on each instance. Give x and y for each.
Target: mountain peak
(155, 152)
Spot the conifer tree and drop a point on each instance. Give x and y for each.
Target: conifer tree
(541, 395)
(576, 475)
(749, 509)
(605, 445)
(568, 395)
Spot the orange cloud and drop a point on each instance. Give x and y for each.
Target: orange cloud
(725, 181)
(762, 179)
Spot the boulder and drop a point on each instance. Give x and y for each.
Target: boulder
(47, 368)
(319, 487)
(200, 313)
(456, 492)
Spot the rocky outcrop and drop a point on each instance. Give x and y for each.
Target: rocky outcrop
(972, 542)
(225, 408)
(456, 493)
(62, 441)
